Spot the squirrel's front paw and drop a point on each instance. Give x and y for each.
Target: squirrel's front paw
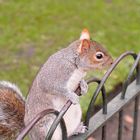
(84, 87)
(74, 98)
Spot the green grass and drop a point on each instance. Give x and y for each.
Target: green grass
(32, 30)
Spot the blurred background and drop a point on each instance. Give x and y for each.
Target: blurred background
(32, 30)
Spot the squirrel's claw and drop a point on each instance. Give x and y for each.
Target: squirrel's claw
(81, 129)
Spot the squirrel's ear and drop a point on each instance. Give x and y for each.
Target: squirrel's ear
(85, 41)
(85, 35)
(84, 46)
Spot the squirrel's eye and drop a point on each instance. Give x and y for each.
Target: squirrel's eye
(99, 55)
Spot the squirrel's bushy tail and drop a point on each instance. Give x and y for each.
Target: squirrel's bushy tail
(12, 110)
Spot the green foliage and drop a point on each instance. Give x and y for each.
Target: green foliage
(32, 30)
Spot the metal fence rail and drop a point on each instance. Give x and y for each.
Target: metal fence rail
(114, 106)
(129, 92)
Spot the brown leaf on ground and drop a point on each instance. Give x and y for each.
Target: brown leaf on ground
(91, 138)
(128, 119)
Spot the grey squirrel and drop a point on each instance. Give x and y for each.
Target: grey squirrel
(53, 86)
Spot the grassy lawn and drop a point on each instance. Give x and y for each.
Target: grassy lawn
(32, 30)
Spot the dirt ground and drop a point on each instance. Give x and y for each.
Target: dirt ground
(112, 126)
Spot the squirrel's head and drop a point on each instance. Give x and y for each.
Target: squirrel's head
(91, 54)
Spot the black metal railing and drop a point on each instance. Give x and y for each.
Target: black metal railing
(102, 122)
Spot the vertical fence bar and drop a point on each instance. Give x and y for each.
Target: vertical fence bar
(138, 72)
(120, 128)
(104, 132)
(134, 136)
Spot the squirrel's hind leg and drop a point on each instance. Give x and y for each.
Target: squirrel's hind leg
(39, 132)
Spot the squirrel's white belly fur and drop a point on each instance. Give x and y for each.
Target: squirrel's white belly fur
(73, 115)
(75, 79)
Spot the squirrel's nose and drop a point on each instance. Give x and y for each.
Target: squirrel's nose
(111, 61)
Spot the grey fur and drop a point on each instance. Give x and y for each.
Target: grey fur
(50, 81)
(49, 90)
